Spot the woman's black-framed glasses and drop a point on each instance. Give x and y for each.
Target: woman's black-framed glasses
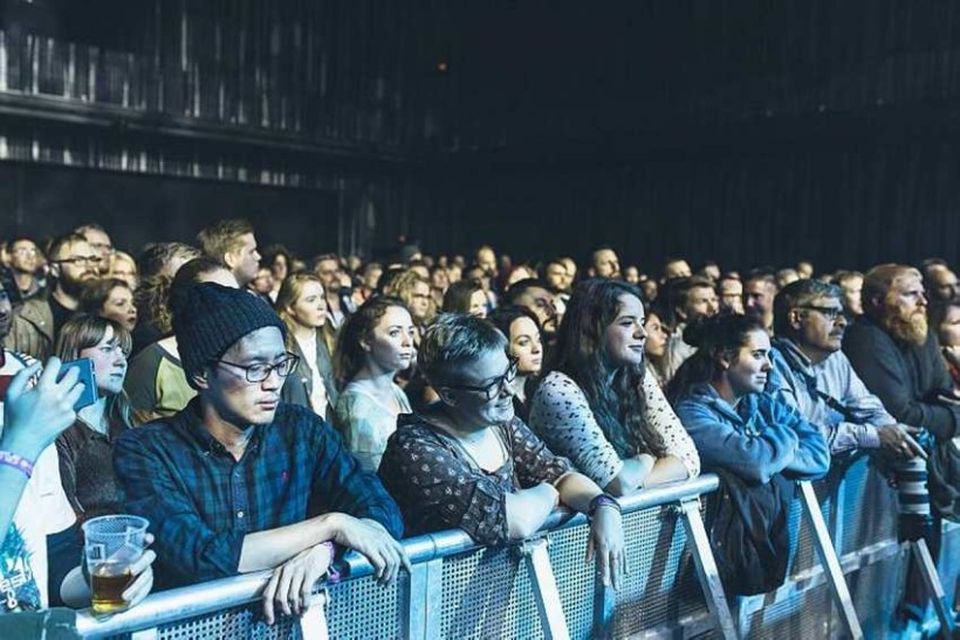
(492, 390)
(260, 371)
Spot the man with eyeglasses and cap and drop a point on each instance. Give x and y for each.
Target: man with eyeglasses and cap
(73, 263)
(238, 481)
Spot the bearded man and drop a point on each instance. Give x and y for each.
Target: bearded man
(895, 354)
(73, 263)
(899, 360)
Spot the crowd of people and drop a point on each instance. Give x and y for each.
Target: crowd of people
(267, 412)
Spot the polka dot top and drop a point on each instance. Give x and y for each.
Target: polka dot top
(561, 415)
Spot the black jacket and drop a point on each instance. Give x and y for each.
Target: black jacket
(750, 532)
(905, 377)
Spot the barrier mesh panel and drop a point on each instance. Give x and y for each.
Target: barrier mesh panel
(662, 586)
(804, 553)
(804, 615)
(876, 590)
(363, 609)
(236, 622)
(487, 594)
(575, 578)
(950, 562)
(869, 508)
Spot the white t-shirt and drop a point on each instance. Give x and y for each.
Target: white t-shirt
(43, 510)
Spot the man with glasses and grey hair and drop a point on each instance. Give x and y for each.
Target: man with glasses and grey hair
(816, 377)
(73, 263)
(240, 482)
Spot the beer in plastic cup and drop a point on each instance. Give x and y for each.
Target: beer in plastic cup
(111, 545)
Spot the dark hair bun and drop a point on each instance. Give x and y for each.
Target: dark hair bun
(724, 331)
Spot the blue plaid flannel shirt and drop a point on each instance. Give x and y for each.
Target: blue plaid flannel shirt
(201, 502)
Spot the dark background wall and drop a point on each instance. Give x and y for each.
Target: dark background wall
(749, 132)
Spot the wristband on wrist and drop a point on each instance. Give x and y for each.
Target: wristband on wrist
(333, 576)
(18, 462)
(603, 500)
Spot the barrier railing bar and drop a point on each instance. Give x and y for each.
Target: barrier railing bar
(699, 544)
(199, 599)
(931, 579)
(828, 557)
(544, 587)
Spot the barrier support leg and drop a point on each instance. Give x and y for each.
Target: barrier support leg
(604, 607)
(931, 579)
(828, 557)
(423, 600)
(707, 568)
(313, 621)
(545, 591)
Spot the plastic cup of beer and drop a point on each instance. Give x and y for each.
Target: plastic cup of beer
(112, 544)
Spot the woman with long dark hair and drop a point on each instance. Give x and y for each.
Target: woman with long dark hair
(525, 346)
(86, 448)
(375, 343)
(598, 407)
(466, 296)
(719, 395)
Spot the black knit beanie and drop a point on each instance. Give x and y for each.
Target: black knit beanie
(210, 317)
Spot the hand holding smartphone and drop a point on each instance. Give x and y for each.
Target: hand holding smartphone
(84, 367)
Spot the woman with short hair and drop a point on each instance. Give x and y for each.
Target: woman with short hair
(468, 462)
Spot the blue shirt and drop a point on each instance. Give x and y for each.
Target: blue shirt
(201, 502)
(755, 439)
(849, 420)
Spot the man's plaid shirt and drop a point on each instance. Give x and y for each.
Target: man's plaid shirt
(201, 502)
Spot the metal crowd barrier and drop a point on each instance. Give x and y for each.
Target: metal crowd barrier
(543, 587)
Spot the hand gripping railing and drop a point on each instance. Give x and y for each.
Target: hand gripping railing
(425, 587)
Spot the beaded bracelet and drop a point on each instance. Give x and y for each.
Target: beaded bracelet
(603, 500)
(16, 461)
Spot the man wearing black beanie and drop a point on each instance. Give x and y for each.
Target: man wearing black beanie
(227, 483)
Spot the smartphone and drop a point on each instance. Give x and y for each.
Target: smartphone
(87, 377)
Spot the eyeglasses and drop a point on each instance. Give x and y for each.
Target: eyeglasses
(492, 390)
(93, 261)
(830, 313)
(260, 372)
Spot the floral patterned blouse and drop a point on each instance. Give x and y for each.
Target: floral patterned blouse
(438, 485)
(561, 415)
